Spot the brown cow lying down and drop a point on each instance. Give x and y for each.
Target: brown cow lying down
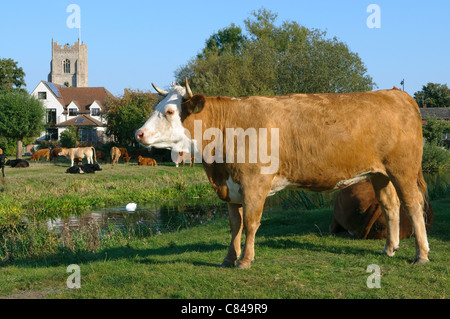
(40, 153)
(146, 161)
(357, 212)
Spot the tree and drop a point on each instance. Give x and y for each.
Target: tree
(21, 116)
(11, 75)
(69, 137)
(435, 129)
(127, 114)
(274, 60)
(433, 95)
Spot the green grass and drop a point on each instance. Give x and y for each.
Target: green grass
(296, 256)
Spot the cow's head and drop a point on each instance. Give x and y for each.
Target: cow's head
(164, 128)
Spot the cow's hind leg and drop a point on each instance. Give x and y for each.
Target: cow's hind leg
(235, 215)
(413, 201)
(390, 205)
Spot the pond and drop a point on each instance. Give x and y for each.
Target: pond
(175, 215)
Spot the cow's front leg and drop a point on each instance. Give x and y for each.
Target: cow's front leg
(255, 195)
(235, 215)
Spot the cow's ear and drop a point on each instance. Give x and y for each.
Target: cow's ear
(195, 104)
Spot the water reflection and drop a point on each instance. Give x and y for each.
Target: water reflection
(162, 218)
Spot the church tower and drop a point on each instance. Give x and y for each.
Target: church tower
(69, 65)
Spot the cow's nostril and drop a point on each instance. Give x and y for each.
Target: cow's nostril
(140, 135)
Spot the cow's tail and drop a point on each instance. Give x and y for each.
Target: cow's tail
(95, 156)
(423, 190)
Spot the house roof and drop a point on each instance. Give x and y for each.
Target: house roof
(81, 121)
(83, 97)
(439, 112)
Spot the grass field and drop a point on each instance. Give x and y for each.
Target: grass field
(296, 256)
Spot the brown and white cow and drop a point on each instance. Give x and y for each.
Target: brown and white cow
(79, 152)
(318, 142)
(45, 152)
(357, 212)
(115, 155)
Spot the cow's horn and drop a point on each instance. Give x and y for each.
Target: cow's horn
(162, 92)
(189, 94)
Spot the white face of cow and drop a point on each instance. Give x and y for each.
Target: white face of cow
(164, 128)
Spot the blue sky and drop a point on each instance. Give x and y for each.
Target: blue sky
(134, 43)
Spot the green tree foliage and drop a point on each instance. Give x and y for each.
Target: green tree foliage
(433, 95)
(21, 116)
(435, 129)
(69, 137)
(11, 75)
(273, 60)
(435, 157)
(127, 114)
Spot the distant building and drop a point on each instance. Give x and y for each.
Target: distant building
(82, 107)
(69, 65)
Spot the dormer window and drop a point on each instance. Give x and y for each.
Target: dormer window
(66, 65)
(73, 112)
(95, 112)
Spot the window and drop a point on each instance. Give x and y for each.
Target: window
(73, 112)
(95, 112)
(51, 116)
(66, 65)
(52, 134)
(42, 95)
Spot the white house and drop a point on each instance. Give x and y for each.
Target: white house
(82, 107)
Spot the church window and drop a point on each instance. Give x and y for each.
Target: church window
(66, 66)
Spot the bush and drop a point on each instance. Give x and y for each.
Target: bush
(435, 157)
(69, 137)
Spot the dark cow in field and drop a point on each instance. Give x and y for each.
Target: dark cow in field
(2, 163)
(84, 169)
(317, 142)
(17, 163)
(358, 212)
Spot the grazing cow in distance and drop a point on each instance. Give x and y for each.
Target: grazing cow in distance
(101, 156)
(185, 157)
(2, 163)
(146, 161)
(79, 152)
(84, 169)
(317, 142)
(124, 154)
(17, 163)
(40, 153)
(55, 152)
(115, 155)
(358, 212)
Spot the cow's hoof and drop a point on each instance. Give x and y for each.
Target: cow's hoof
(242, 265)
(419, 260)
(227, 264)
(390, 252)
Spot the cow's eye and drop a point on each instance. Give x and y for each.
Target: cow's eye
(169, 112)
